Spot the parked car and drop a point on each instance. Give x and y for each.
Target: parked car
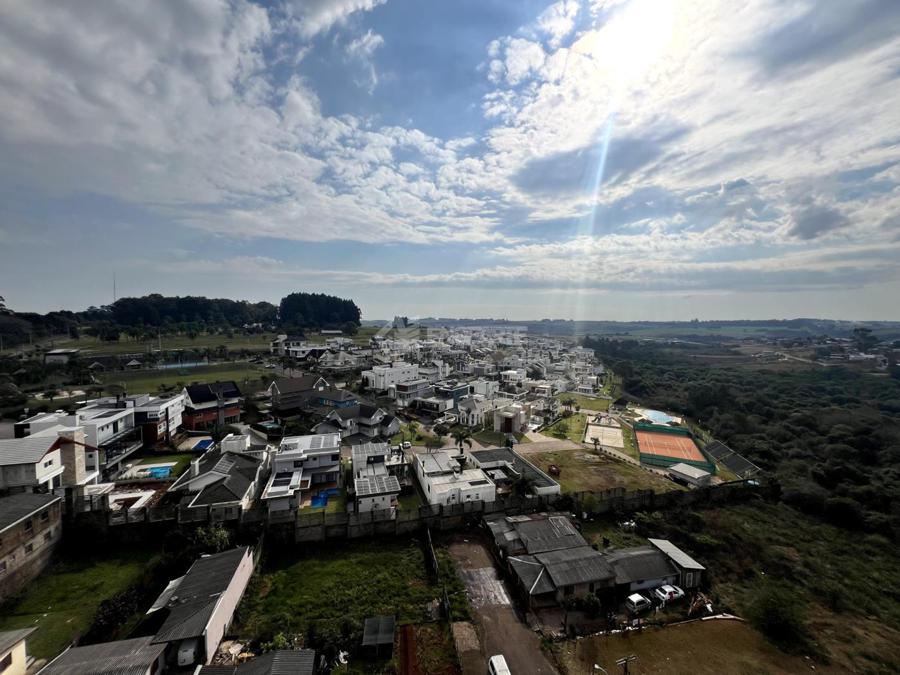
(497, 666)
(669, 593)
(637, 603)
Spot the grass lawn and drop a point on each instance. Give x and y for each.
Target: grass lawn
(583, 470)
(181, 459)
(247, 376)
(334, 587)
(571, 427)
(846, 578)
(419, 438)
(630, 444)
(410, 502)
(700, 648)
(586, 402)
(125, 345)
(63, 601)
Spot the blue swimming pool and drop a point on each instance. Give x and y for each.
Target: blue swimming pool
(205, 444)
(658, 416)
(321, 498)
(160, 472)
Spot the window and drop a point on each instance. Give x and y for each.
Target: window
(2, 567)
(48, 535)
(568, 590)
(29, 526)
(689, 579)
(6, 662)
(45, 516)
(49, 462)
(335, 458)
(29, 548)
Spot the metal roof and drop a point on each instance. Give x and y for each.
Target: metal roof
(640, 563)
(519, 464)
(19, 506)
(123, 657)
(677, 556)
(378, 630)
(281, 662)
(26, 450)
(688, 470)
(192, 605)
(10, 638)
(572, 566)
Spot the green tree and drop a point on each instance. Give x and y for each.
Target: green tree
(461, 436)
(779, 613)
(213, 538)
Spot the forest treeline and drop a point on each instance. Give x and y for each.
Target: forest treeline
(192, 314)
(829, 436)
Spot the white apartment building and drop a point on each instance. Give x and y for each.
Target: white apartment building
(444, 482)
(382, 378)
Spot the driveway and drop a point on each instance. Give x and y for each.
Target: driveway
(500, 628)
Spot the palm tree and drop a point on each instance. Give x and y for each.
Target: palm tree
(568, 402)
(412, 428)
(462, 436)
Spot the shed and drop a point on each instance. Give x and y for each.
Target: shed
(691, 475)
(378, 632)
(689, 570)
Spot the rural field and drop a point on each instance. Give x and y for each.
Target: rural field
(62, 602)
(247, 375)
(586, 402)
(585, 470)
(126, 345)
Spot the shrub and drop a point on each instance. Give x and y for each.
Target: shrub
(779, 613)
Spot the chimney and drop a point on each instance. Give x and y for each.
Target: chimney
(195, 467)
(71, 452)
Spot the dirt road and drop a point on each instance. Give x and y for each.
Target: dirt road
(501, 630)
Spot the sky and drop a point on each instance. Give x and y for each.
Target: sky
(578, 159)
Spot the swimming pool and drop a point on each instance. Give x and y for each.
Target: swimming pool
(205, 444)
(321, 499)
(658, 416)
(159, 472)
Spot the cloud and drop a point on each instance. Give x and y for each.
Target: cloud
(318, 16)
(361, 50)
(813, 220)
(558, 20)
(517, 60)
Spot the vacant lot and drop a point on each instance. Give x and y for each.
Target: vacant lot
(700, 648)
(571, 427)
(584, 470)
(63, 601)
(333, 588)
(247, 375)
(586, 402)
(487, 437)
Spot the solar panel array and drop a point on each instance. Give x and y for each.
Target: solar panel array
(377, 485)
(315, 442)
(731, 460)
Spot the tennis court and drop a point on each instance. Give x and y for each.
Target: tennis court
(675, 446)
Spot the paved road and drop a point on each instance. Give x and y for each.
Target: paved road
(501, 630)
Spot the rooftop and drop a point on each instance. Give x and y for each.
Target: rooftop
(123, 657)
(19, 506)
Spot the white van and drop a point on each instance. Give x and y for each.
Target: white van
(637, 603)
(497, 666)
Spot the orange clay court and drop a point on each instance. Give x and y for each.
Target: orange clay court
(668, 445)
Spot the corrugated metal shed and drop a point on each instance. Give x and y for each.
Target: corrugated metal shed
(123, 657)
(679, 557)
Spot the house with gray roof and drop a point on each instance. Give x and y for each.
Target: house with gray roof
(199, 606)
(138, 656)
(639, 568)
(689, 570)
(30, 529)
(225, 481)
(30, 464)
(506, 467)
(14, 656)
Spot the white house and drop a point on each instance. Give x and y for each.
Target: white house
(381, 378)
(300, 465)
(60, 356)
(444, 482)
(474, 410)
(30, 464)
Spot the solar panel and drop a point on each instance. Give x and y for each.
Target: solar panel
(315, 442)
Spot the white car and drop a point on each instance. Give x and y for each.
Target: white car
(637, 603)
(669, 593)
(497, 666)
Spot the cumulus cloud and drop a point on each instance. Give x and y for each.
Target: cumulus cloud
(558, 20)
